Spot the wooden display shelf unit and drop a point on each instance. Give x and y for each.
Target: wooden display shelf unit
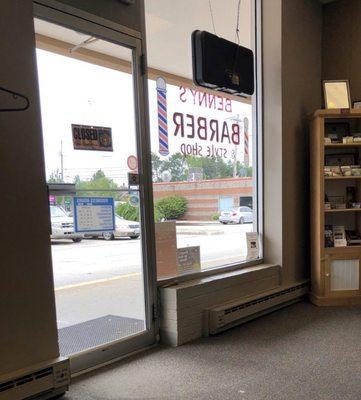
(335, 178)
(342, 210)
(342, 145)
(335, 271)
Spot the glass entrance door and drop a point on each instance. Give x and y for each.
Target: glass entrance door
(96, 157)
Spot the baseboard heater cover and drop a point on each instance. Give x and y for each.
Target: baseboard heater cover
(43, 381)
(223, 317)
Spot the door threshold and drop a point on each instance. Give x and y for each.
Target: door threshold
(112, 361)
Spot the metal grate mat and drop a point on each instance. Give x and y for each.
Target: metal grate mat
(86, 335)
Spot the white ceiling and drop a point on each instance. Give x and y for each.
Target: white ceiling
(75, 38)
(169, 25)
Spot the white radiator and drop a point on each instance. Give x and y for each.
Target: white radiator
(228, 315)
(43, 381)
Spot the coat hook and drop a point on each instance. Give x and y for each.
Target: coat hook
(15, 96)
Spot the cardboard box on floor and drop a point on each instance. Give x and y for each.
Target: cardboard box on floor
(166, 247)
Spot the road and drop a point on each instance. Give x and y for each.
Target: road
(96, 278)
(97, 260)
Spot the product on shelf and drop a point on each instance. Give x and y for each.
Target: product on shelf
(356, 170)
(328, 236)
(338, 206)
(347, 139)
(339, 236)
(346, 170)
(350, 196)
(337, 202)
(353, 238)
(332, 171)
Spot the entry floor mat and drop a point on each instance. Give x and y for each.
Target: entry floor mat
(86, 335)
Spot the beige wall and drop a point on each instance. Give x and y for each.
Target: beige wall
(341, 58)
(112, 10)
(272, 135)
(301, 95)
(27, 311)
(292, 34)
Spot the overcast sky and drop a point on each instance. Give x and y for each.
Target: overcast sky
(76, 92)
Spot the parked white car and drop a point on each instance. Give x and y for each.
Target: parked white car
(123, 228)
(62, 226)
(239, 215)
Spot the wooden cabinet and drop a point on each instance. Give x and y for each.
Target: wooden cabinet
(335, 271)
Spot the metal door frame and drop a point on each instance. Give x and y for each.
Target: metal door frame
(78, 20)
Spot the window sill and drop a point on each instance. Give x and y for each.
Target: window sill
(171, 281)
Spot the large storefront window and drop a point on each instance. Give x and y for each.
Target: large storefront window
(204, 185)
(203, 147)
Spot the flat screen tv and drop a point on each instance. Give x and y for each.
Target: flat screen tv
(222, 65)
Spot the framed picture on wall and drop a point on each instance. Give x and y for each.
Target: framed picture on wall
(336, 93)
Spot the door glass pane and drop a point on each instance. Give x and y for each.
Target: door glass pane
(89, 132)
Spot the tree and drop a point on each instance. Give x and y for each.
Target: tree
(104, 186)
(157, 164)
(243, 170)
(177, 166)
(55, 177)
(213, 167)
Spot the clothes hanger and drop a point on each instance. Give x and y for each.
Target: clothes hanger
(15, 96)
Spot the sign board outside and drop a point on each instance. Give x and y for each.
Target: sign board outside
(189, 259)
(94, 214)
(134, 200)
(132, 163)
(87, 137)
(133, 179)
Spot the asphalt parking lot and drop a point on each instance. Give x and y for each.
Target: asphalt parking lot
(96, 277)
(98, 259)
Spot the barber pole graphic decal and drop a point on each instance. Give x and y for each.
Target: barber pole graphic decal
(162, 116)
(246, 142)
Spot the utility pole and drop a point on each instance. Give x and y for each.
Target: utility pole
(238, 121)
(235, 162)
(61, 162)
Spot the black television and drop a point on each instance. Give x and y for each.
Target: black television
(222, 65)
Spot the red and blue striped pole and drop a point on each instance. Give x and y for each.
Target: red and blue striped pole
(246, 141)
(162, 116)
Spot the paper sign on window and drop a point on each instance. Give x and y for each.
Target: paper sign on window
(252, 245)
(189, 259)
(87, 137)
